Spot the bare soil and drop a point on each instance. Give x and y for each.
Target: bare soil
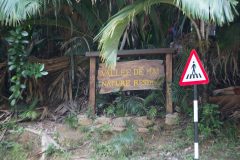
(162, 143)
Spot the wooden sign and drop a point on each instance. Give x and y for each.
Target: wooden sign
(130, 75)
(141, 75)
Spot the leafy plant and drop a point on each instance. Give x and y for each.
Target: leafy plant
(155, 104)
(210, 120)
(230, 130)
(152, 113)
(12, 151)
(18, 65)
(55, 153)
(72, 121)
(180, 95)
(120, 146)
(30, 112)
(155, 98)
(90, 113)
(51, 149)
(126, 105)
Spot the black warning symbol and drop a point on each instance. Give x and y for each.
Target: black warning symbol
(193, 75)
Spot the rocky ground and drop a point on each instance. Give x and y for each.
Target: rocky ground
(111, 138)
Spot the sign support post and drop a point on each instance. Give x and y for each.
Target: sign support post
(194, 74)
(195, 110)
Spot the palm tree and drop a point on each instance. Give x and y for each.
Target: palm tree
(211, 11)
(13, 12)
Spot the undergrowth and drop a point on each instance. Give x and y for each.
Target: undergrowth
(119, 147)
(72, 121)
(12, 151)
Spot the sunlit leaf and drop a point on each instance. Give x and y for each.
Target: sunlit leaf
(24, 33)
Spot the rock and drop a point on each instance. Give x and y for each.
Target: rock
(142, 122)
(102, 120)
(118, 129)
(187, 149)
(142, 130)
(172, 158)
(156, 128)
(66, 136)
(83, 120)
(172, 119)
(120, 121)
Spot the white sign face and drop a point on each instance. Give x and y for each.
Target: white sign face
(194, 72)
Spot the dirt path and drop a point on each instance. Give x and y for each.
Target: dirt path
(83, 143)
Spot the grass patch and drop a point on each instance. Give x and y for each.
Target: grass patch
(12, 151)
(119, 147)
(222, 149)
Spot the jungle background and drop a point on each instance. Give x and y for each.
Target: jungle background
(44, 79)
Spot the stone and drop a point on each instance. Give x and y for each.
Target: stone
(102, 120)
(142, 122)
(67, 136)
(172, 119)
(118, 129)
(142, 130)
(120, 121)
(83, 120)
(156, 128)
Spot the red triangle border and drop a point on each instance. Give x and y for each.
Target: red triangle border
(181, 83)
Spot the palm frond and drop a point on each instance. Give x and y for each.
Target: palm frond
(217, 11)
(14, 11)
(110, 35)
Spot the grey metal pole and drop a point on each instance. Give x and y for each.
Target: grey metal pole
(195, 111)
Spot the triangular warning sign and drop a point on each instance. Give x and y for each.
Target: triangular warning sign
(193, 72)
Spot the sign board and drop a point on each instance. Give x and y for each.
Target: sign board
(144, 76)
(130, 75)
(193, 72)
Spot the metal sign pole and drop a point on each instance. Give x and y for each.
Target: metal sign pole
(194, 74)
(195, 111)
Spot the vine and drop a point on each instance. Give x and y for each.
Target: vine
(18, 65)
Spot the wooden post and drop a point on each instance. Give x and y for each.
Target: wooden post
(92, 85)
(169, 105)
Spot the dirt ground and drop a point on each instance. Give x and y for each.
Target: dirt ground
(83, 143)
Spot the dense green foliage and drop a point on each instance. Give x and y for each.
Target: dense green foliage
(109, 37)
(19, 67)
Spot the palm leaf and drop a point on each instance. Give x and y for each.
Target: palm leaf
(218, 11)
(13, 12)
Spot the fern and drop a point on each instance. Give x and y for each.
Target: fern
(121, 145)
(125, 105)
(30, 112)
(152, 113)
(134, 106)
(155, 98)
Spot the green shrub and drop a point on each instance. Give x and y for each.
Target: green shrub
(209, 121)
(12, 151)
(120, 146)
(72, 121)
(126, 105)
